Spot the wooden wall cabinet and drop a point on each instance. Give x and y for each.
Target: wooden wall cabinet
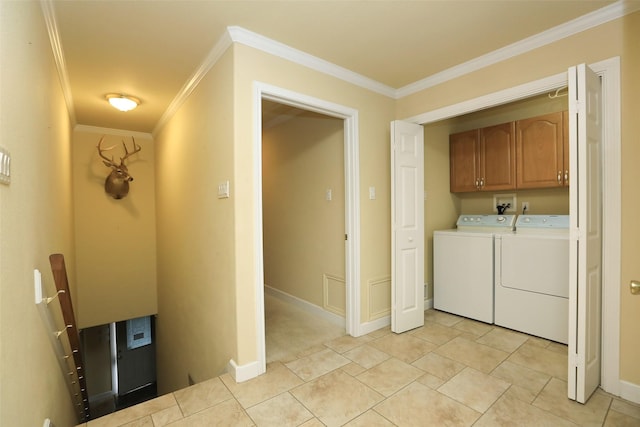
(542, 151)
(483, 159)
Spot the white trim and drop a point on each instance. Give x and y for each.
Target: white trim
(630, 391)
(305, 306)
(609, 71)
(352, 202)
(281, 50)
(374, 325)
(241, 373)
(552, 35)
(210, 60)
(111, 131)
(58, 55)
(428, 304)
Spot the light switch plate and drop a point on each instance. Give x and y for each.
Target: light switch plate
(223, 190)
(5, 166)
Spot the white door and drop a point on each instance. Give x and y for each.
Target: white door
(407, 226)
(585, 194)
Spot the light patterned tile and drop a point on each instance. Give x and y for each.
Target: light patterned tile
(503, 339)
(227, 413)
(366, 356)
(282, 410)
(201, 396)
(431, 381)
(618, 419)
(558, 348)
(553, 398)
(441, 317)
(473, 354)
(317, 364)
(436, 333)
(390, 376)
(509, 411)
(166, 416)
(370, 419)
(403, 346)
(473, 327)
(312, 423)
(276, 380)
(521, 393)
(134, 412)
(541, 359)
(627, 408)
(418, 405)
(440, 366)
(475, 389)
(347, 342)
(142, 422)
(353, 369)
(336, 398)
(521, 376)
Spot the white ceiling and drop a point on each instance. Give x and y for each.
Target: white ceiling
(150, 49)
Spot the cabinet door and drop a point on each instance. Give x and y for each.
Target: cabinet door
(463, 161)
(498, 157)
(539, 149)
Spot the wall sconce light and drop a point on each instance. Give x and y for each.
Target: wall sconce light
(123, 102)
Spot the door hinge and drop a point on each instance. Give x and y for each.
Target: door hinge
(346, 237)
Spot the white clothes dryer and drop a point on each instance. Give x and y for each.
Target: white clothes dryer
(532, 277)
(463, 263)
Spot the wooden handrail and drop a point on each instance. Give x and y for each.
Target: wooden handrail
(59, 271)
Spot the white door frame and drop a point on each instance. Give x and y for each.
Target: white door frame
(609, 71)
(352, 202)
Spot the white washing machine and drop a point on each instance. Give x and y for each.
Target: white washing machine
(463, 263)
(532, 277)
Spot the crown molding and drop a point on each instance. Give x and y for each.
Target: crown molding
(598, 17)
(58, 56)
(272, 47)
(210, 60)
(111, 131)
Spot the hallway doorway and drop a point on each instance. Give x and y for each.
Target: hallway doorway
(303, 205)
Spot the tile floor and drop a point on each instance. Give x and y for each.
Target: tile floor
(450, 372)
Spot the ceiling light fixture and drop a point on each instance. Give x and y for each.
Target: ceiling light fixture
(123, 102)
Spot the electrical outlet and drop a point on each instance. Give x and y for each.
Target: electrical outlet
(525, 207)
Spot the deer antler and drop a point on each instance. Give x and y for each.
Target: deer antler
(127, 153)
(107, 161)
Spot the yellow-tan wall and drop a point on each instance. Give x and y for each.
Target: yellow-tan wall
(303, 232)
(36, 218)
(115, 239)
(375, 113)
(196, 249)
(616, 38)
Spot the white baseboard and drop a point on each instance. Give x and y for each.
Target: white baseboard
(630, 391)
(428, 303)
(306, 306)
(244, 372)
(374, 325)
(383, 322)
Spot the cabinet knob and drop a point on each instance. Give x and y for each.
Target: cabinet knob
(566, 177)
(634, 286)
(559, 177)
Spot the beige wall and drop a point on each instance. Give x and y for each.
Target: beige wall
(375, 113)
(304, 232)
(35, 217)
(630, 304)
(617, 38)
(196, 324)
(115, 239)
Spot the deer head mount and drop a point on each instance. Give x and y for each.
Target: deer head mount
(117, 183)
